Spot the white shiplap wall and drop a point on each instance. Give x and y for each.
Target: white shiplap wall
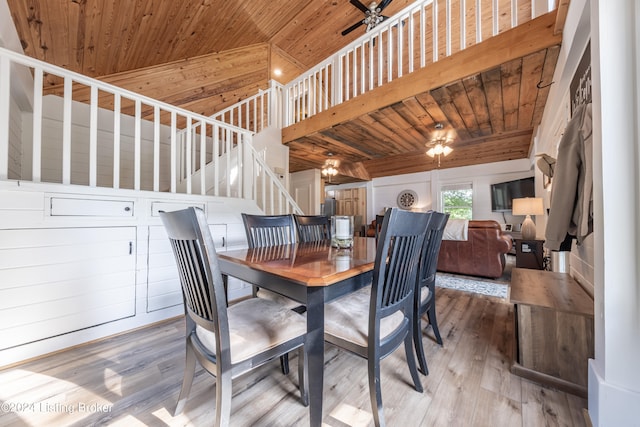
(52, 147)
(79, 263)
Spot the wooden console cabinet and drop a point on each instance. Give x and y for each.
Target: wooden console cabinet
(554, 329)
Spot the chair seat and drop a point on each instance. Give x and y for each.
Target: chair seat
(347, 318)
(256, 325)
(276, 297)
(425, 293)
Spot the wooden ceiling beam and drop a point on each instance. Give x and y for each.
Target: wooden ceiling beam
(499, 148)
(354, 170)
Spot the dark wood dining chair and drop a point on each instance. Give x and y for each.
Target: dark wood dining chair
(374, 321)
(312, 228)
(227, 341)
(425, 295)
(267, 231)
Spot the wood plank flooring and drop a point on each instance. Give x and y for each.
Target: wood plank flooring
(134, 379)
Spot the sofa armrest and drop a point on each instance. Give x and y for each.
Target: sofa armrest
(508, 242)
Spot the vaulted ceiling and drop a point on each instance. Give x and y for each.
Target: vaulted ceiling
(205, 55)
(101, 38)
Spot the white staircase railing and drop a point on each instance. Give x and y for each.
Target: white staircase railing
(120, 139)
(241, 170)
(256, 112)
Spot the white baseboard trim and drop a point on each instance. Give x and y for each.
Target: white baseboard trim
(610, 405)
(41, 348)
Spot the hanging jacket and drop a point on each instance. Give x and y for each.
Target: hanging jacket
(571, 210)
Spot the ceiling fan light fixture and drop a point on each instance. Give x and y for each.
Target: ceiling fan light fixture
(373, 15)
(329, 171)
(439, 147)
(330, 167)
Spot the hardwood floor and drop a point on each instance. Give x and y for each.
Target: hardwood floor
(134, 380)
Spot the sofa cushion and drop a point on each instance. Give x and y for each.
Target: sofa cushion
(456, 229)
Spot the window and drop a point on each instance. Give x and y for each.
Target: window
(457, 200)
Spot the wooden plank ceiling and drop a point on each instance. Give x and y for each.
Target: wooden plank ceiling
(205, 55)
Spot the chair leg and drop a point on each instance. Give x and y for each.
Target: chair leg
(375, 394)
(302, 375)
(284, 359)
(189, 372)
(411, 361)
(431, 314)
(284, 364)
(417, 343)
(223, 398)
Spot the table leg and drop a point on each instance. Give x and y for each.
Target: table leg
(315, 351)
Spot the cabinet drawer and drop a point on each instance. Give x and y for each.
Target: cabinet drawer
(87, 207)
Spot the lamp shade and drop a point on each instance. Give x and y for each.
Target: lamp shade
(528, 206)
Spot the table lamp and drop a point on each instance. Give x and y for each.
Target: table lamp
(528, 206)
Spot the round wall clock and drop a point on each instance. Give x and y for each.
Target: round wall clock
(407, 199)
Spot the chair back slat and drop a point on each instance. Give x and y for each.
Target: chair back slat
(401, 267)
(269, 230)
(197, 296)
(312, 228)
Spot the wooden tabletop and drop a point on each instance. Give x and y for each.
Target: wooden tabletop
(542, 288)
(310, 264)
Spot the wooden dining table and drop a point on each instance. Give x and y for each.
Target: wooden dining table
(313, 274)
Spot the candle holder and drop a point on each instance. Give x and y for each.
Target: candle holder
(341, 257)
(342, 231)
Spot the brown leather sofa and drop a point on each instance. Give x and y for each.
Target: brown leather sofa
(483, 254)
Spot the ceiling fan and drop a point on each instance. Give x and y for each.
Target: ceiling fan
(373, 15)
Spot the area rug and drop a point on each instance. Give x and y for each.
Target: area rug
(494, 289)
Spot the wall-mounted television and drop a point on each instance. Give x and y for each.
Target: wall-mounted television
(503, 193)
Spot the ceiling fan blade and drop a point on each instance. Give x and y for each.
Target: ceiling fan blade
(384, 4)
(359, 5)
(351, 28)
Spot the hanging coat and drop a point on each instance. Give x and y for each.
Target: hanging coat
(571, 210)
